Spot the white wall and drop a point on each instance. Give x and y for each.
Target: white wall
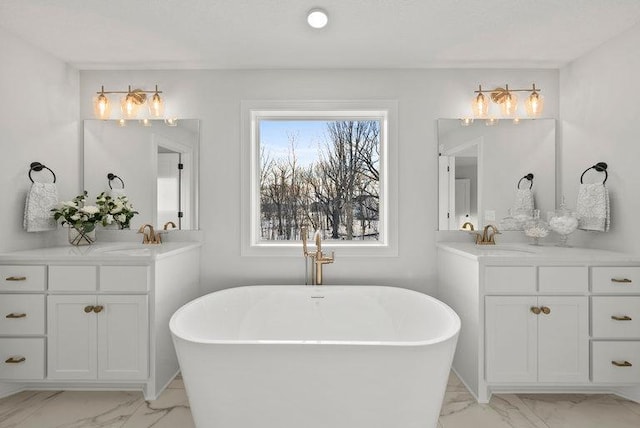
(38, 122)
(214, 97)
(599, 111)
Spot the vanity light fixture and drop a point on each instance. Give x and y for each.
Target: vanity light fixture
(507, 100)
(129, 104)
(317, 18)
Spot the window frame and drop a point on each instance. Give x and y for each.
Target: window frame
(253, 111)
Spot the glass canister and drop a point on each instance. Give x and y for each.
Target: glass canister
(536, 228)
(564, 222)
(515, 219)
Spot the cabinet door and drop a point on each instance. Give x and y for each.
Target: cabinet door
(123, 332)
(510, 339)
(72, 337)
(563, 339)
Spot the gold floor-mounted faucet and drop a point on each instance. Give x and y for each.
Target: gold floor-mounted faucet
(150, 237)
(486, 238)
(317, 257)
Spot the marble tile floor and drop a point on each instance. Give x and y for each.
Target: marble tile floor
(75, 409)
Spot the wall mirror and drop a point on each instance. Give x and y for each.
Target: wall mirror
(155, 163)
(480, 167)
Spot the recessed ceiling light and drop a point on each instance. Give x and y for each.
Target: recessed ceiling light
(317, 18)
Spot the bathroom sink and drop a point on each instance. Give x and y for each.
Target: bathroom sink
(126, 249)
(503, 250)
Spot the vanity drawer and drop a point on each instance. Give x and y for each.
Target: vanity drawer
(124, 278)
(22, 359)
(510, 279)
(615, 362)
(613, 279)
(22, 278)
(22, 314)
(554, 279)
(615, 317)
(73, 278)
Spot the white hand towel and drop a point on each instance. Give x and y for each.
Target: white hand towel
(41, 199)
(524, 200)
(593, 207)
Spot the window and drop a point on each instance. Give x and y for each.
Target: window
(323, 168)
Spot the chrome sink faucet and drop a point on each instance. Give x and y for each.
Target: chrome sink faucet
(318, 258)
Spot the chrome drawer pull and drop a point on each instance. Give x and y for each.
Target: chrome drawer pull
(15, 360)
(16, 278)
(621, 363)
(622, 318)
(621, 280)
(14, 315)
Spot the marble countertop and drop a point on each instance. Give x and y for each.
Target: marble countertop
(534, 253)
(104, 251)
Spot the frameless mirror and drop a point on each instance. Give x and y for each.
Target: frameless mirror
(481, 167)
(154, 163)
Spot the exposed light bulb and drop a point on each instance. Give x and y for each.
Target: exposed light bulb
(146, 123)
(156, 106)
(466, 121)
(101, 106)
(122, 123)
(509, 105)
(480, 104)
(534, 104)
(317, 18)
(131, 103)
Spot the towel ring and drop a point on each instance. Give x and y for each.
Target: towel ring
(37, 166)
(600, 167)
(527, 177)
(111, 176)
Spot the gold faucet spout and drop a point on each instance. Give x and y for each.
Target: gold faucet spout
(150, 236)
(487, 238)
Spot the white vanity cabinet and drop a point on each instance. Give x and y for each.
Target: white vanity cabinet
(92, 319)
(536, 339)
(98, 337)
(544, 319)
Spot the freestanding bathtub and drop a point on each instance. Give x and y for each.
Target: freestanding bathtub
(315, 357)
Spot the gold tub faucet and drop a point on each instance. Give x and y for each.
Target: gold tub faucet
(317, 257)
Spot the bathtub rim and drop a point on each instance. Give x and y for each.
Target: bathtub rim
(449, 334)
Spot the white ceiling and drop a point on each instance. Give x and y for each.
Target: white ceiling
(183, 34)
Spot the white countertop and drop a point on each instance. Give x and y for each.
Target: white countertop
(103, 251)
(534, 253)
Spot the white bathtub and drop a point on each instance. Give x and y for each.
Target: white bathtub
(315, 357)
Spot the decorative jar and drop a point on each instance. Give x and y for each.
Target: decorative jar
(563, 222)
(536, 228)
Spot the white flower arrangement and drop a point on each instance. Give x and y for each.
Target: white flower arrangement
(77, 214)
(115, 210)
